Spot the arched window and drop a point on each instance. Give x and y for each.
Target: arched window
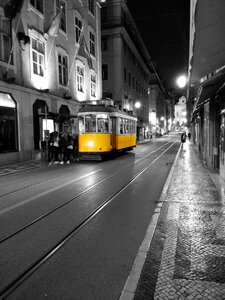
(8, 123)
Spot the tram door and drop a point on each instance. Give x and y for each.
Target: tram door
(113, 135)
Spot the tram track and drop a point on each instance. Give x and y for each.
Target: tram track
(36, 184)
(71, 199)
(42, 259)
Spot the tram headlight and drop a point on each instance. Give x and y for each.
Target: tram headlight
(90, 144)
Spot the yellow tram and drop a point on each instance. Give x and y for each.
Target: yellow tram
(105, 129)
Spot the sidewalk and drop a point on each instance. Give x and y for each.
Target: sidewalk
(184, 258)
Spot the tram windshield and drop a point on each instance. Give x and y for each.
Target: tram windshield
(90, 123)
(102, 123)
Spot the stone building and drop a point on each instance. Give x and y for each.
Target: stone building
(206, 95)
(50, 61)
(126, 66)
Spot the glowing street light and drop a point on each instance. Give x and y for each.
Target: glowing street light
(181, 81)
(137, 104)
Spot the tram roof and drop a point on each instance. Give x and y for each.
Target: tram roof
(103, 108)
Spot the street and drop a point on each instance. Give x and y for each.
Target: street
(73, 231)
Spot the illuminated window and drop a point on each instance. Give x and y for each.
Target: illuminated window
(63, 69)
(38, 4)
(78, 27)
(92, 43)
(61, 5)
(80, 79)
(93, 85)
(38, 55)
(5, 40)
(91, 6)
(8, 124)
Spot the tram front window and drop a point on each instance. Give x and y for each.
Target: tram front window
(102, 123)
(90, 123)
(81, 124)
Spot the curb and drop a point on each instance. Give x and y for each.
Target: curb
(130, 286)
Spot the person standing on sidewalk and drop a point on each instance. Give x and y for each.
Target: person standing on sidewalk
(183, 138)
(69, 148)
(189, 135)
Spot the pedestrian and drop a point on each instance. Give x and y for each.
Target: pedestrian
(189, 135)
(69, 148)
(62, 148)
(183, 138)
(75, 147)
(50, 148)
(55, 148)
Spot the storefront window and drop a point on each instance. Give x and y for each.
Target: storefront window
(8, 123)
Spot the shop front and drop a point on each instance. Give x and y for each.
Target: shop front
(8, 124)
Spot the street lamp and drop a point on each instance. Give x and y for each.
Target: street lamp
(137, 104)
(181, 81)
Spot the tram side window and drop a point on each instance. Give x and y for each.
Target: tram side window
(129, 126)
(102, 123)
(81, 124)
(90, 123)
(121, 125)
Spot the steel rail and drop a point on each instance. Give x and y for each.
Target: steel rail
(39, 262)
(72, 199)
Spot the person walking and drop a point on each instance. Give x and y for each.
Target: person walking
(183, 138)
(189, 135)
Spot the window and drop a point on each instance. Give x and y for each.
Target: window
(61, 5)
(81, 124)
(104, 44)
(37, 56)
(102, 123)
(91, 7)
(5, 40)
(80, 79)
(104, 72)
(78, 27)
(93, 85)
(38, 4)
(8, 124)
(90, 123)
(92, 43)
(63, 69)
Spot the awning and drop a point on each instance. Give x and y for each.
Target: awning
(207, 50)
(210, 89)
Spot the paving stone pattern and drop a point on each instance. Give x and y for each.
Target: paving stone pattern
(186, 259)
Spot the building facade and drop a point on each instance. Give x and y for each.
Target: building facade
(126, 66)
(206, 94)
(50, 61)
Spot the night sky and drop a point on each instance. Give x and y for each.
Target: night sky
(164, 28)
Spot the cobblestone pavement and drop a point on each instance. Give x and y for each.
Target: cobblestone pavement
(186, 258)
